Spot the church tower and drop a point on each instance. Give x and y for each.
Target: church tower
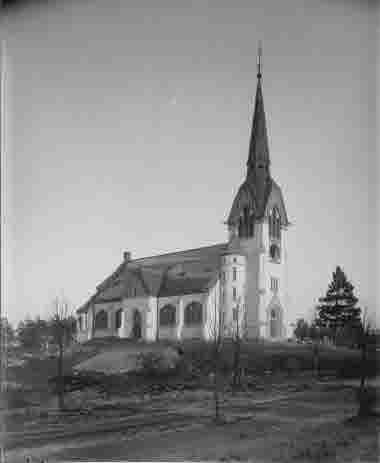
(257, 226)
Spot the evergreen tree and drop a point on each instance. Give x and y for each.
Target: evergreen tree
(338, 308)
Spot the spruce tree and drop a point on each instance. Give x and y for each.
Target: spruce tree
(338, 308)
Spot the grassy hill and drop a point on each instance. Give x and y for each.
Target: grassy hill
(113, 356)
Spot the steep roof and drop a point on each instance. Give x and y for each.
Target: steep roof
(175, 273)
(247, 197)
(258, 187)
(276, 198)
(258, 146)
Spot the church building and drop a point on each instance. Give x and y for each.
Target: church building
(236, 285)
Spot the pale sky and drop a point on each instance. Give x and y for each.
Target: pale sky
(128, 129)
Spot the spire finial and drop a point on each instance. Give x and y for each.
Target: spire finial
(259, 56)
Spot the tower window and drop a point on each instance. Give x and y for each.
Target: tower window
(235, 314)
(118, 318)
(234, 294)
(241, 228)
(246, 223)
(275, 224)
(274, 282)
(251, 227)
(274, 253)
(234, 274)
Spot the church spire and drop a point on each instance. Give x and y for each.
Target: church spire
(259, 56)
(258, 148)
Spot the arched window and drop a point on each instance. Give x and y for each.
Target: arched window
(275, 224)
(274, 252)
(251, 228)
(273, 313)
(240, 232)
(167, 315)
(118, 318)
(193, 313)
(246, 223)
(101, 320)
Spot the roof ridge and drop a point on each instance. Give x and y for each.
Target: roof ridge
(178, 252)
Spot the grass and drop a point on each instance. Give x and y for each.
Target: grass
(307, 428)
(260, 357)
(257, 359)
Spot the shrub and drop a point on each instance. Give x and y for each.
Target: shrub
(153, 365)
(15, 398)
(367, 399)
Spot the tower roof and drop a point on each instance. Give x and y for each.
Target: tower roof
(258, 187)
(258, 146)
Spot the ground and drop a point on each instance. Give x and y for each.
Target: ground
(279, 416)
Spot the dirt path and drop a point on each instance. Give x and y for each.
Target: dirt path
(273, 429)
(193, 413)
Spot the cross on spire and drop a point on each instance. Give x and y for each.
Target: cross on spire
(259, 57)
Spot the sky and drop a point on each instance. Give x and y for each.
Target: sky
(127, 129)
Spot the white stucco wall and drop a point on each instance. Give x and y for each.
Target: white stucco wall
(228, 302)
(276, 270)
(212, 323)
(253, 248)
(85, 333)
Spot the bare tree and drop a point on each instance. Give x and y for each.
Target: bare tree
(367, 397)
(216, 336)
(237, 332)
(62, 334)
(315, 336)
(364, 335)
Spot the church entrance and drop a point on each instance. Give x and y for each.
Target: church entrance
(136, 330)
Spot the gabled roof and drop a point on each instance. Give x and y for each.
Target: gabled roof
(276, 199)
(172, 274)
(191, 277)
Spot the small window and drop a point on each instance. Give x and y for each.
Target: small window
(234, 259)
(80, 323)
(234, 293)
(275, 224)
(118, 318)
(274, 253)
(234, 274)
(224, 277)
(235, 314)
(274, 283)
